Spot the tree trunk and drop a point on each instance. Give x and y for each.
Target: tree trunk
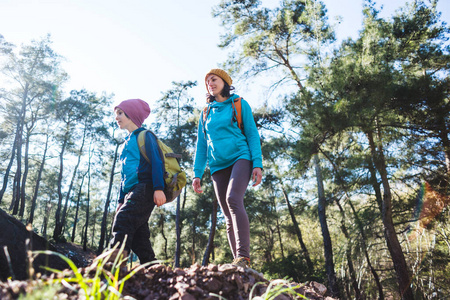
(348, 252)
(101, 243)
(443, 134)
(212, 233)
(366, 254)
(194, 225)
(178, 232)
(86, 225)
(24, 176)
(162, 222)
(328, 250)
(58, 226)
(395, 249)
(69, 190)
(16, 184)
(38, 182)
(359, 223)
(75, 219)
(94, 219)
(279, 236)
(8, 169)
(298, 232)
(19, 136)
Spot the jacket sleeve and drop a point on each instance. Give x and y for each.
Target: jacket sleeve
(152, 150)
(252, 135)
(201, 152)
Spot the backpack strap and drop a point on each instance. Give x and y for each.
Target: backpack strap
(237, 112)
(141, 144)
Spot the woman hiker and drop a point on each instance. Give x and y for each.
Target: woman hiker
(233, 155)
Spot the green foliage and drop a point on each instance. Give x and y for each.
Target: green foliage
(105, 284)
(276, 288)
(293, 266)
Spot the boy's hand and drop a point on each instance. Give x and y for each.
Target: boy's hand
(159, 198)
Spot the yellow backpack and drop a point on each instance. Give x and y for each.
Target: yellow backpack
(174, 176)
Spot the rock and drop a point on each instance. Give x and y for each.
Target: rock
(320, 288)
(14, 260)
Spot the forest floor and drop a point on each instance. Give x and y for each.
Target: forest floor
(161, 281)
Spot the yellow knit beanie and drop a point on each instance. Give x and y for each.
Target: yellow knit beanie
(222, 74)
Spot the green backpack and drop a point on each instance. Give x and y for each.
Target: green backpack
(174, 176)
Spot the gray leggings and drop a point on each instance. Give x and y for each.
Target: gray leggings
(230, 185)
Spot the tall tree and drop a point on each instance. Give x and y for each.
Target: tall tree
(421, 94)
(365, 75)
(83, 116)
(38, 181)
(176, 102)
(35, 76)
(101, 243)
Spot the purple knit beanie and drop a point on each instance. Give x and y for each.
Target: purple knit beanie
(136, 109)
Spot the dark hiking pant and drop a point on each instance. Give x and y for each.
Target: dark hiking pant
(131, 220)
(230, 185)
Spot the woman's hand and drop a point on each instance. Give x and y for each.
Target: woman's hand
(196, 185)
(256, 176)
(159, 198)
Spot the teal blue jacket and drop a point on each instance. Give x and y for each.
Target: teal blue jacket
(135, 168)
(220, 142)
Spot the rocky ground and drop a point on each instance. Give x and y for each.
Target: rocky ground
(197, 282)
(154, 282)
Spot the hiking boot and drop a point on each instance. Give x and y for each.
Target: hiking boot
(241, 262)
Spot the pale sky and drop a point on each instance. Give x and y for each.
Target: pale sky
(136, 48)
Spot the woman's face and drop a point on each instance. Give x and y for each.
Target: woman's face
(215, 84)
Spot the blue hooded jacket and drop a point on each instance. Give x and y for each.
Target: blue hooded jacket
(223, 143)
(135, 168)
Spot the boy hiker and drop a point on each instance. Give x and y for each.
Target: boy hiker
(142, 183)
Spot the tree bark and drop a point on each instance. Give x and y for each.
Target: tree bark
(348, 252)
(88, 199)
(358, 221)
(58, 226)
(212, 233)
(395, 249)
(24, 176)
(75, 219)
(101, 243)
(69, 190)
(443, 134)
(279, 237)
(38, 182)
(298, 232)
(8, 169)
(328, 249)
(178, 232)
(19, 136)
(162, 222)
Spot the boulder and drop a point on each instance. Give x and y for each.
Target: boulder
(15, 241)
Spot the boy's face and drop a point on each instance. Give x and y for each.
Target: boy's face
(122, 120)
